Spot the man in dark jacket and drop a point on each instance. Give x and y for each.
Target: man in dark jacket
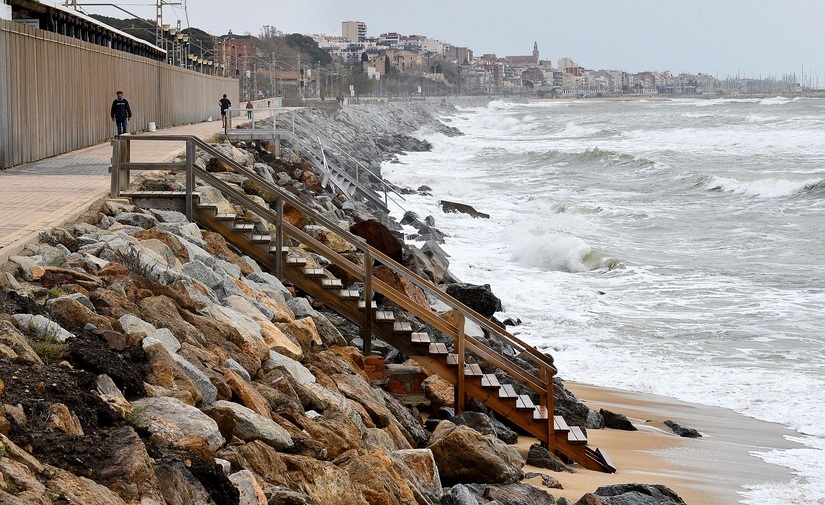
(224, 104)
(121, 113)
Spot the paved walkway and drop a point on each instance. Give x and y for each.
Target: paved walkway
(47, 193)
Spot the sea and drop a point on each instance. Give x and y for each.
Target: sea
(662, 246)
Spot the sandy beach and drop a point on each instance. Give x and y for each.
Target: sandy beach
(709, 470)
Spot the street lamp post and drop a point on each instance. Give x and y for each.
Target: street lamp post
(184, 50)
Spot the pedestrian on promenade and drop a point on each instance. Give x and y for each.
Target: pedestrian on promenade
(225, 104)
(121, 114)
(249, 109)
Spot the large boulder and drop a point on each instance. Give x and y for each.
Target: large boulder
(133, 326)
(476, 420)
(616, 421)
(424, 471)
(440, 392)
(683, 431)
(247, 395)
(329, 238)
(518, 492)
(402, 285)
(162, 312)
(479, 298)
(74, 489)
(180, 486)
(299, 372)
(42, 327)
(638, 494)
(169, 378)
(459, 495)
(323, 481)
(14, 345)
(411, 425)
(76, 314)
(435, 263)
(128, 470)
(379, 481)
(248, 487)
(252, 426)
(464, 455)
(173, 421)
(109, 302)
(463, 208)
(328, 332)
(540, 457)
(378, 236)
(356, 388)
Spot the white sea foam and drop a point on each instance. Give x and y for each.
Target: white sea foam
(777, 100)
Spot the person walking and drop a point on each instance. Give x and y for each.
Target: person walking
(225, 104)
(249, 109)
(121, 114)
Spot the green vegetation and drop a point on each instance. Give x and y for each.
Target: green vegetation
(135, 415)
(11, 487)
(57, 292)
(50, 349)
(308, 47)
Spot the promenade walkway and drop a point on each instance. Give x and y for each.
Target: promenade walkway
(47, 193)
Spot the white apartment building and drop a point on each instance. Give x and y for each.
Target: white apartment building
(434, 47)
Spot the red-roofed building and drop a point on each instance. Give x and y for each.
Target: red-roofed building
(234, 52)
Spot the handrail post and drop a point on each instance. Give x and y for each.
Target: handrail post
(459, 350)
(368, 314)
(549, 401)
(124, 177)
(190, 177)
(114, 184)
(279, 238)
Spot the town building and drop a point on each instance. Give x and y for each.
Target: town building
(354, 31)
(235, 53)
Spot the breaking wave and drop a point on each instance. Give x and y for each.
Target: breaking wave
(593, 156)
(765, 188)
(558, 252)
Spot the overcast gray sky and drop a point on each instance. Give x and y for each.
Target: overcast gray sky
(719, 37)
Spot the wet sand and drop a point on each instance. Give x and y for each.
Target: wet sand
(709, 470)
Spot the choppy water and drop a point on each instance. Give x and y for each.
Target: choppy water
(673, 247)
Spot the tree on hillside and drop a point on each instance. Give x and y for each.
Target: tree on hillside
(136, 27)
(145, 30)
(273, 46)
(309, 47)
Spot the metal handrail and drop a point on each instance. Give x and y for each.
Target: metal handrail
(540, 383)
(325, 167)
(249, 115)
(386, 186)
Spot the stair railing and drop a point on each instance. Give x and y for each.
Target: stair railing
(359, 166)
(342, 176)
(540, 382)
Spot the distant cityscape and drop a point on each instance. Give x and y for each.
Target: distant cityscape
(440, 67)
(354, 64)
